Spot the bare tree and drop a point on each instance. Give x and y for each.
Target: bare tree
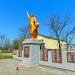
(15, 45)
(69, 37)
(57, 25)
(2, 39)
(7, 43)
(4, 42)
(24, 32)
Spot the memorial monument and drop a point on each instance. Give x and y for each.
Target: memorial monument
(31, 46)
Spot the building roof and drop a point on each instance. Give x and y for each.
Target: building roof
(49, 37)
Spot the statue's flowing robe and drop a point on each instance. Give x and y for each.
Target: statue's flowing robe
(33, 24)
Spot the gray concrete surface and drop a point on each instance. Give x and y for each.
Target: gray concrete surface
(8, 67)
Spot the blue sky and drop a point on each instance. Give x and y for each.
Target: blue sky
(13, 14)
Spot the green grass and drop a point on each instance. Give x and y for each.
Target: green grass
(5, 55)
(4, 51)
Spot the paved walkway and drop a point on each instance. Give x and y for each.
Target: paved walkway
(8, 67)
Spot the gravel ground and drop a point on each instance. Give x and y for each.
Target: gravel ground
(8, 67)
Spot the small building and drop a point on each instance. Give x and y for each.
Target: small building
(44, 50)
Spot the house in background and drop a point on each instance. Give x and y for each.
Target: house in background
(49, 43)
(44, 50)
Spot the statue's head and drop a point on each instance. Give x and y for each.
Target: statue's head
(31, 15)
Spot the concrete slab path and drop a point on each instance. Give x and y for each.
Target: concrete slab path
(8, 67)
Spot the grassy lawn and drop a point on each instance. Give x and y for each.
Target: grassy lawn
(5, 55)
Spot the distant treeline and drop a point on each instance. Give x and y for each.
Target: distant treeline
(4, 42)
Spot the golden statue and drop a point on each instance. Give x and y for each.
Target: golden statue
(33, 25)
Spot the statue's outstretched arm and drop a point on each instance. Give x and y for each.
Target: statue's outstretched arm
(27, 14)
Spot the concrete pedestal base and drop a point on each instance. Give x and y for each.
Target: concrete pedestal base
(34, 50)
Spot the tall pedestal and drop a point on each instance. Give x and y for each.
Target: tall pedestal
(31, 50)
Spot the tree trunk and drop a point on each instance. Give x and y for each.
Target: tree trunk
(60, 52)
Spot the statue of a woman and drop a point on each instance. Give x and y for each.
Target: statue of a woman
(33, 25)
